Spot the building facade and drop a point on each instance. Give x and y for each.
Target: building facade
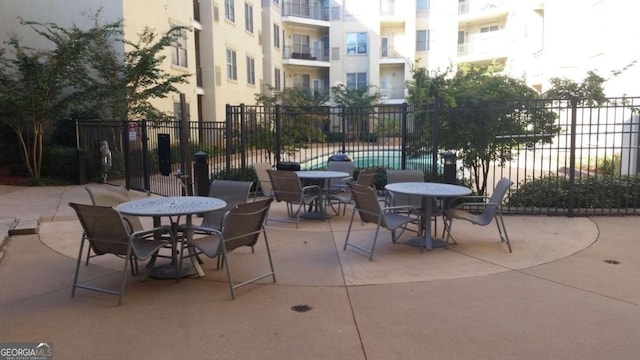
(236, 49)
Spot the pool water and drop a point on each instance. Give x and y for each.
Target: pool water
(388, 159)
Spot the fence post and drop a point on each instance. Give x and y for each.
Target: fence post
(185, 149)
(572, 158)
(228, 138)
(242, 137)
(126, 153)
(277, 132)
(145, 157)
(343, 125)
(403, 153)
(435, 136)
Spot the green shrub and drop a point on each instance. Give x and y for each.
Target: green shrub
(60, 162)
(552, 191)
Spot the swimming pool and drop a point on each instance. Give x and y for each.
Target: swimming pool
(384, 158)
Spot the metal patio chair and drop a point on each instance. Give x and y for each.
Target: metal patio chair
(366, 177)
(481, 213)
(288, 188)
(368, 207)
(112, 196)
(108, 232)
(264, 182)
(242, 226)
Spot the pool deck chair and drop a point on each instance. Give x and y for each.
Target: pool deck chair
(368, 207)
(481, 213)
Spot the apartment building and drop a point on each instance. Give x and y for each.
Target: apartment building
(238, 48)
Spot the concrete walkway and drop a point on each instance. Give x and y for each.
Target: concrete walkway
(557, 296)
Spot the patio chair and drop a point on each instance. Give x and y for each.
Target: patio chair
(232, 192)
(108, 232)
(366, 177)
(368, 207)
(242, 226)
(264, 182)
(481, 213)
(113, 196)
(288, 188)
(335, 185)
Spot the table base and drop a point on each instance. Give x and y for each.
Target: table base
(168, 271)
(315, 215)
(421, 242)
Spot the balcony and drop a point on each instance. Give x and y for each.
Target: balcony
(304, 55)
(482, 47)
(296, 9)
(470, 11)
(393, 95)
(389, 55)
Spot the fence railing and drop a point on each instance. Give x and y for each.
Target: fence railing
(588, 165)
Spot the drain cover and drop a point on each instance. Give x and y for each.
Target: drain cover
(301, 308)
(614, 262)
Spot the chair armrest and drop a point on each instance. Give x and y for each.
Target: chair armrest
(143, 233)
(407, 208)
(205, 230)
(315, 189)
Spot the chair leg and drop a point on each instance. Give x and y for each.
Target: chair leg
(75, 274)
(504, 238)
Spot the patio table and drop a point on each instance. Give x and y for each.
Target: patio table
(173, 207)
(322, 176)
(428, 191)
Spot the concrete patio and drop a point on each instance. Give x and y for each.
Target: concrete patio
(557, 296)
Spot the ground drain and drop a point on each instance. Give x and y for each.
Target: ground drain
(301, 308)
(614, 262)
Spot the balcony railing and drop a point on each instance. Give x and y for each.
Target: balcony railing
(315, 12)
(392, 93)
(305, 53)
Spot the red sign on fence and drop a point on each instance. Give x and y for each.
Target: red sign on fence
(132, 132)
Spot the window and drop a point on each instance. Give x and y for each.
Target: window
(232, 70)
(356, 81)
(301, 46)
(277, 79)
(276, 36)
(251, 71)
(301, 81)
(248, 17)
(422, 5)
(387, 7)
(491, 28)
(230, 10)
(179, 50)
(422, 40)
(357, 43)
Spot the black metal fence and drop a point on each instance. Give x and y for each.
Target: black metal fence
(587, 165)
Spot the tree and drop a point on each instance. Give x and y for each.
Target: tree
(121, 87)
(302, 118)
(483, 115)
(357, 105)
(83, 70)
(36, 86)
(589, 91)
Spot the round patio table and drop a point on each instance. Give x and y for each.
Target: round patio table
(173, 207)
(322, 176)
(427, 190)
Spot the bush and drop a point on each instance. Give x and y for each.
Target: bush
(552, 191)
(60, 162)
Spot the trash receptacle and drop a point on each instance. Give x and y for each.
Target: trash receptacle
(340, 157)
(288, 166)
